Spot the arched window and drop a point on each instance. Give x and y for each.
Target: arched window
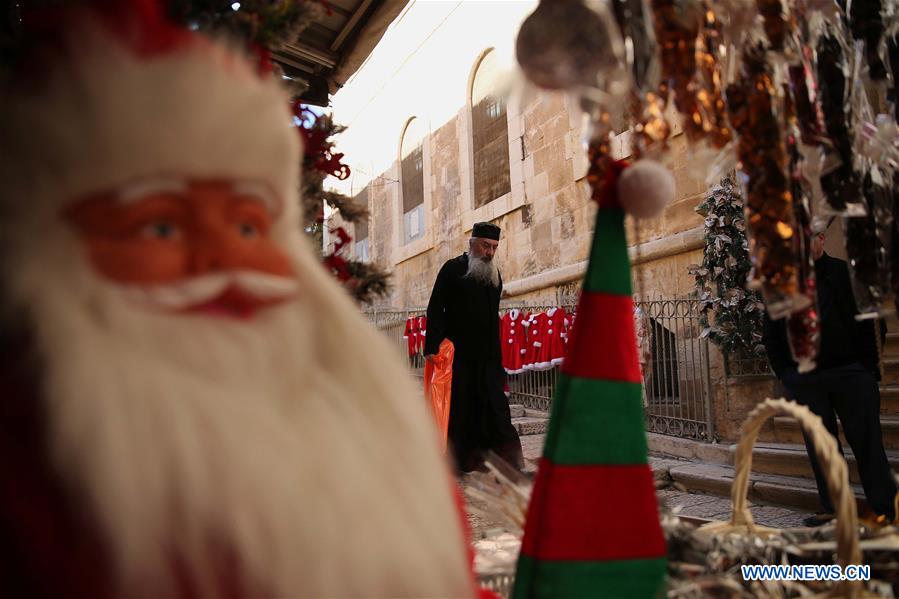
(412, 182)
(490, 134)
(360, 229)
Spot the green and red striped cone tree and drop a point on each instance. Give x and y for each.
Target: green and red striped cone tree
(593, 527)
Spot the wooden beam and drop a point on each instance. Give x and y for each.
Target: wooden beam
(350, 24)
(320, 57)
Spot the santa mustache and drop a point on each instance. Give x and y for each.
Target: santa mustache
(198, 290)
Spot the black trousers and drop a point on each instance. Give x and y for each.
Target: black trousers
(852, 394)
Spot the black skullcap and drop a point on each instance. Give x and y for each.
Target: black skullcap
(485, 230)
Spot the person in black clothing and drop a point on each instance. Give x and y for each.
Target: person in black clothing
(844, 383)
(464, 308)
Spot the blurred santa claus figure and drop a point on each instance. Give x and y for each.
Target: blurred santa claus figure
(190, 406)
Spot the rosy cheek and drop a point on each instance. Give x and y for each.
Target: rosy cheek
(138, 260)
(267, 257)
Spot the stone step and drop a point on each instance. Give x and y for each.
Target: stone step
(535, 413)
(530, 426)
(892, 321)
(517, 410)
(786, 430)
(785, 459)
(789, 459)
(891, 344)
(889, 400)
(768, 488)
(890, 366)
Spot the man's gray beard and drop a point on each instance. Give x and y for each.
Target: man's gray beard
(483, 271)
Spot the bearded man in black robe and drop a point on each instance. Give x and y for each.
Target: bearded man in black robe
(464, 308)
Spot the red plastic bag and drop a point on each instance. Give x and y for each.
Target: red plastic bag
(439, 384)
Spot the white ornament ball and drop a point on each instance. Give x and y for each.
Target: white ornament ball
(645, 188)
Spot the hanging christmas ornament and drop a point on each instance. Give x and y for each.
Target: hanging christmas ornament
(711, 115)
(804, 333)
(892, 51)
(894, 242)
(866, 25)
(689, 38)
(738, 19)
(804, 91)
(868, 246)
(879, 142)
(566, 44)
(775, 23)
(650, 127)
(769, 201)
(635, 25)
(841, 185)
(803, 326)
(677, 24)
(592, 526)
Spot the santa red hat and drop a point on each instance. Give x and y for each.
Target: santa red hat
(97, 122)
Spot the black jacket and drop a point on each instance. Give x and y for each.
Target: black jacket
(844, 340)
(465, 312)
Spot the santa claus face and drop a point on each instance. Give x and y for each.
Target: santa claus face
(198, 246)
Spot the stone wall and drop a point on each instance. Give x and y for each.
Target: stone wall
(547, 222)
(547, 227)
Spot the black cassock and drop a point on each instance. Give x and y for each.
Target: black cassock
(467, 313)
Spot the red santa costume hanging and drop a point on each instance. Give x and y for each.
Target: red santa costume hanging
(513, 340)
(422, 327)
(410, 334)
(181, 414)
(533, 344)
(546, 335)
(569, 327)
(557, 325)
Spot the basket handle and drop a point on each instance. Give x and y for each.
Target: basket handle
(832, 464)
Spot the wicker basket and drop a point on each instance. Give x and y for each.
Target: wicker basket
(836, 473)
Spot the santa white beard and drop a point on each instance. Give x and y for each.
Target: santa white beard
(294, 441)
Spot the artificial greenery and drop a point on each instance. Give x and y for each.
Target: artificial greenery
(731, 314)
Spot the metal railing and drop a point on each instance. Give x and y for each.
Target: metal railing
(677, 382)
(534, 389)
(393, 324)
(677, 378)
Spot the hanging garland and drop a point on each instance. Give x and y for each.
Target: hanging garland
(268, 26)
(731, 314)
(365, 281)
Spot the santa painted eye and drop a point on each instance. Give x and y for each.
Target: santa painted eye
(161, 230)
(247, 230)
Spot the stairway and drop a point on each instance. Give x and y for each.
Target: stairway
(786, 430)
(781, 472)
(528, 422)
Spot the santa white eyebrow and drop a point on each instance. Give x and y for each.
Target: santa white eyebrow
(259, 191)
(138, 190)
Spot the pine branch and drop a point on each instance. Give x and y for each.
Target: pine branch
(367, 281)
(350, 210)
